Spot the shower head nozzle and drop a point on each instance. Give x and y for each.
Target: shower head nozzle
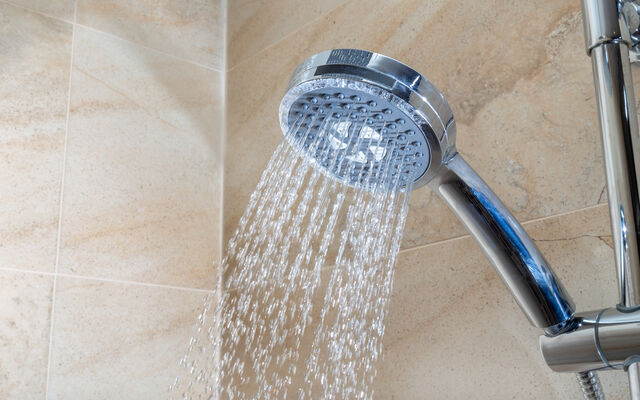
(367, 120)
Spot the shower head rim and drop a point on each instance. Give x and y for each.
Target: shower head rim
(435, 117)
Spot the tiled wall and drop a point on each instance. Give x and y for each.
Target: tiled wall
(521, 88)
(111, 131)
(111, 218)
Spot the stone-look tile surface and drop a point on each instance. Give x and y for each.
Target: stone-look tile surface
(118, 341)
(189, 29)
(142, 183)
(454, 331)
(254, 25)
(36, 54)
(62, 9)
(525, 107)
(25, 308)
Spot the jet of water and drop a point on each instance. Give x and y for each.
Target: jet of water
(307, 278)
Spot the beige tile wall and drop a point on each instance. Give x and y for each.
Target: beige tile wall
(143, 170)
(110, 208)
(33, 104)
(520, 85)
(192, 29)
(111, 168)
(25, 320)
(122, 343)
(256, 24)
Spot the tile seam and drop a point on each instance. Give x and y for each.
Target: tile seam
(60, 205)
(31, 10)
(109, 280)
(310, 22)
(143, 46)
(468, 236)
(591, 207)
(178, 58)
(135, 283)
(27, 271)
(223, 141)
(524, 223)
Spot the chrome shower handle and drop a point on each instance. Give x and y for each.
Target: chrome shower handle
(523, 268)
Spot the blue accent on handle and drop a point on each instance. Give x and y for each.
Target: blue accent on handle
(545, 281)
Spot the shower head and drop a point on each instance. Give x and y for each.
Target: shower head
(367, 120)
(374, 123)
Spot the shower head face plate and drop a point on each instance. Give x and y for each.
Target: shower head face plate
(357, 136)
(367, 120)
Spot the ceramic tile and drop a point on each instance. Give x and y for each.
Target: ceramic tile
(451, 317)
(193, 30)
(25, 309)
(62, 9)
(118, 341)
(255, 25)
(36, 54)
(142, 183)
(525, 108)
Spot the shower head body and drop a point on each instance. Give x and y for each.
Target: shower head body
(377, 102)
(371, 122)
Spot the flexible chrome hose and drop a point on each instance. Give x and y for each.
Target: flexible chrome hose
(590, 385)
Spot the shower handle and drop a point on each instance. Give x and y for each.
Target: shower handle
(521, 265)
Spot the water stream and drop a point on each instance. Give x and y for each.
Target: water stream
(306, 282)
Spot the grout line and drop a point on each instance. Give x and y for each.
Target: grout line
(31, 10)
(135, 283)
(236, 288)
(27, 271)
(178, 58)
(74, 22)
(223, 140)
(109, 280)
(531, 221)
(222, 143)
(58, 238)
(565, 213)
(427, 245)
(302, 27)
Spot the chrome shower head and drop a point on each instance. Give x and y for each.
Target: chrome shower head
(372, 122)
(367, 120)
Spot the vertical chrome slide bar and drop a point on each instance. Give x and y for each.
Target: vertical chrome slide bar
(619, 125)
(609, 50)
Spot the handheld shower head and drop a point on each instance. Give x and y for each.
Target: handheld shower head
(367, 119)
(374, 123)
